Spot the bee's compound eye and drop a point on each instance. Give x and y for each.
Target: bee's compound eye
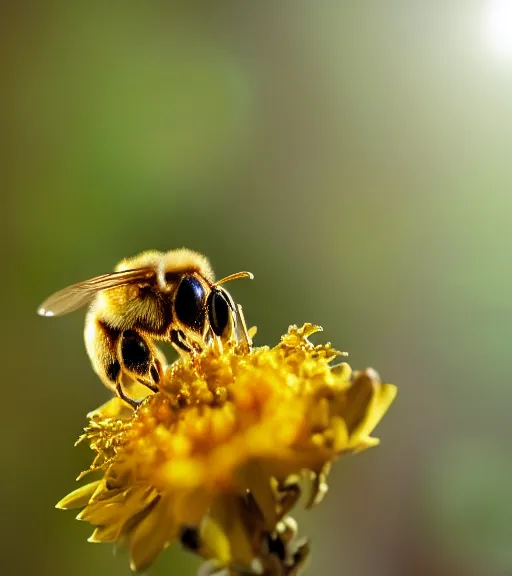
(189, 303)
(218, 312)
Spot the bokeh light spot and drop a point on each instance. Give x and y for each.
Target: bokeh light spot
(499, 26)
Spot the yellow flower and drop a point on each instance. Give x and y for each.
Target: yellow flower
(218, 456)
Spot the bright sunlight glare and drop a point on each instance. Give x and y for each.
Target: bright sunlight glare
(499, 26)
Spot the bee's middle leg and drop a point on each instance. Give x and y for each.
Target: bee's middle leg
(141, 359)
(101, 342)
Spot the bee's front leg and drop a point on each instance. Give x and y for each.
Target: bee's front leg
(179, 342)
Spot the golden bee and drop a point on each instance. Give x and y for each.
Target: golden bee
(155, 296)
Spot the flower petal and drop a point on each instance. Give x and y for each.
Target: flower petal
(225, 534)
(153, 533)
(257, 480)
(79, 497)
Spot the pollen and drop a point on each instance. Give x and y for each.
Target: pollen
(220, 455)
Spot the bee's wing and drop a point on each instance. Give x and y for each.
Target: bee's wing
(78, 295)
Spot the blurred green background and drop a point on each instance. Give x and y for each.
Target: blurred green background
(356, 157)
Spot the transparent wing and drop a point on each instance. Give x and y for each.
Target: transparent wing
(80, 294)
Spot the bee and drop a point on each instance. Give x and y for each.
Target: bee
(155, 296)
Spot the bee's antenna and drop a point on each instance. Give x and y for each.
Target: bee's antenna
(249, 275)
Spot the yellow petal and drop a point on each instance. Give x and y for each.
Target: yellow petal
(367, 401)
(342, 371)
(364, 443)
(319, 415)
(113, 408)
(253, 330)
(225, 532)
(381, 401)
(105, 534)
(190, 506)
(102, 513)
(339, 434)
(151, 536)
(215, 542)
(120, 508)
(254, 478)
(358, 398)
(381, 398)
(102, 493)
(79, 497)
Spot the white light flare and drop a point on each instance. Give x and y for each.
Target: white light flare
(498, 26)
